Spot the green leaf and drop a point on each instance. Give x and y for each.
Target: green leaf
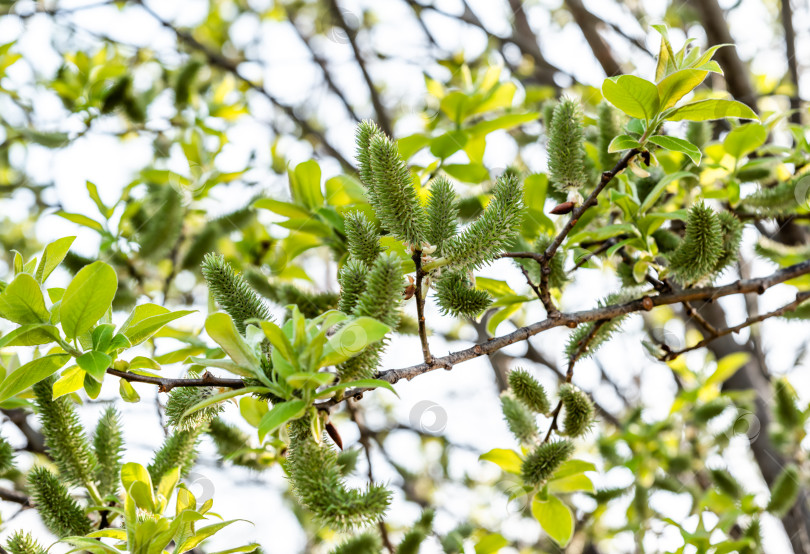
(30, 335)
(95, 364)
(92, 190)
(677, 85)
(31, 373)
(678, 145)
(351, 339)
(745, 139)
(507, 460)
(555, 518)
(221, 329)
(279, 340)
(572, 467)
(359, 383)
(279, 415)
(72, 379)
(127, 391)
(133, 474)
(82, 220)
(146, 320)
(87, 298)
(293, 211)
(305, 184)
(503, 122)
(22, 302)
(604, 233)
(633, 95)
(706, 110)
(490, 544)
(203, 533)
(728, 366)
(623, 142)
(52, 256)
(449, 143)
(572, 483)
(659, 188)
(305, 380)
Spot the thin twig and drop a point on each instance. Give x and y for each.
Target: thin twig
(166, 384)
(800, 297)
(420, 307)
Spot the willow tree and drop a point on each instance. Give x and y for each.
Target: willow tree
(652, 179)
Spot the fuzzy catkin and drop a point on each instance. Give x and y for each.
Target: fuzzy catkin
(544, 460)
(697, 256)
(579, 410)
(64, 435)
(178, 450)
(21, 542)
(529, 391)
(108, 443)
(60, 513)
(519, 419)
(442, 212)
(493, 231)
(319, 486)
(362, 238)
(458, 297)
(232, 292)
(566, 151)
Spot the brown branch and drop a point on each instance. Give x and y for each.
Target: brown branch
(800, 297)
(420, 307)
(382, 115)
(322, 63)
(758, 285)
(216, 59)
(13, 496)
(589, 25)
(166, 384)
(793, 65)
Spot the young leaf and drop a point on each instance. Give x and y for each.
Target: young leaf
(31, 373)
(677, 85)
(221, 328)
(633, 95)
(87, 298)
(52, 256)
(555, 518)
(745, 139)
(705, 110)
(678, 145)
(22, 302)
(352, 339)
(279, 415)
(623, 142)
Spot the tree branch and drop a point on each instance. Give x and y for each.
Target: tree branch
(166, 384)
(420, 307)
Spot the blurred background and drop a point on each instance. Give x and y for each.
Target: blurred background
(213, 100)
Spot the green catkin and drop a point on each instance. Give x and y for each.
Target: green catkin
(582, 334)
(362, 237)
(232, 292)
(347, 461)
(366, 131)
(178, 450)
(544, 460)
(183, 398)
(442, 213)
(780, 253)
(529, 391)
(457, 295)
(608, 127)
(6, 455)
(726, 483)
(699, 133)
(785, 409)
(60, 513)
(519, 419)
(732, 229)
(579, 410)
(753, 532)
(603, 496)
(709, 410)
(318, 484)
(64, 435)
(352, 279)
(394, 200)
(698, 254)
(548, 113)
(415, 536)
(159, 222)
(203, 242)
(310, 304)
(380, 300)
(364, 543)
(108, 443)
(779, 200)
(493, 231)
(666, 240)
(784, 491)
(232, 444)
(557, 278)
(21, 542)
(566, 151)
